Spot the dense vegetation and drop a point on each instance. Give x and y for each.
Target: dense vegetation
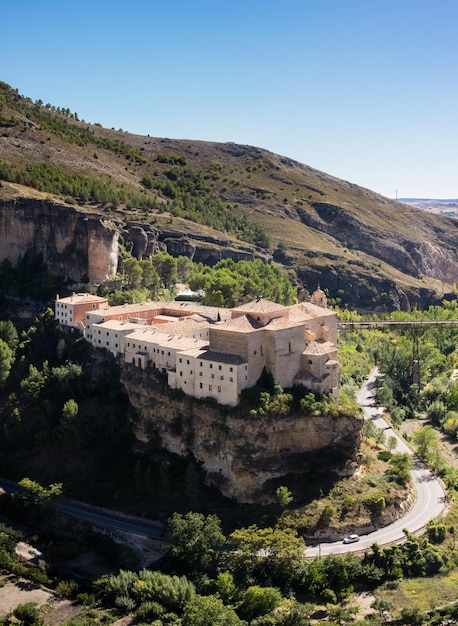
(57, 402)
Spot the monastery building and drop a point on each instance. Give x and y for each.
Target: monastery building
(215, 352)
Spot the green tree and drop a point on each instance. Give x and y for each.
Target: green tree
(426, 440)
(227, 589)
(194, 540)
(6, 360)
(258, 601)
(133, 272)
(209, 611)
(381, 605)
(150, 278)
(28, 614)
(284, 496)
(34, 500)
(392, 443)
(273, 553)
(9, 334)
(69, 414)
(166, 267)
(401, 464)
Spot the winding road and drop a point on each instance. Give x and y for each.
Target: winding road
(430, 501)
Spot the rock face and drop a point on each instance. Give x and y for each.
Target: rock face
(83, 245)
(144, 240)
(242, 455)
(79, 245)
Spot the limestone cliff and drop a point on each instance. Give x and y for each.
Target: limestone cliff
(240, 454)
(80, 245)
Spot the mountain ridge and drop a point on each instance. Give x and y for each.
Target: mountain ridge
(365, 250)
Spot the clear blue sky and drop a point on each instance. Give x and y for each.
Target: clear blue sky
(365, 90)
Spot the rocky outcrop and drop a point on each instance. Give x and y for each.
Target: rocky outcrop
(83, 246)
(79, 245)
(143, 240)
(242, 455)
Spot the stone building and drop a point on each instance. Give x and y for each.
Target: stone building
(213, 352)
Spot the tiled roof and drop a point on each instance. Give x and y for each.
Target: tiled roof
(81, 298)
(307, 311)
(320, 347)
(177, 342)
(186, 325)
(117, 325)
(222, 357)
(260, 306)
(241, 324)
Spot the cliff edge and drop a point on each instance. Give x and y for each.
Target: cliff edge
(244, 456)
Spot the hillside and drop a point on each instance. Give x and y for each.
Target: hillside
(367, 251)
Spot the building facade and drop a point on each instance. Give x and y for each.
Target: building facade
(212, 352)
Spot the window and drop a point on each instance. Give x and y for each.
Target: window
(209, 387)
(213, 376)
(231, 380)
(231, 369)
(219, 389)
(187, 362)
(181, 373)
(200, 373)
(211, 366)
(200, 363)
(219, 367)
(221, 377)
(181, 360)
(200, 385)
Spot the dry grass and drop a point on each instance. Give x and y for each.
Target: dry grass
(423, 593)
(347, 496)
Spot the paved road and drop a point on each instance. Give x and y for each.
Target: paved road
(431, 497)
(109, 521)
(429, 504)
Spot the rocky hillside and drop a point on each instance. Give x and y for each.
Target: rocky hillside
(245, 457)
(209, 201)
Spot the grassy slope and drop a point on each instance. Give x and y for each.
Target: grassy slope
(285, 197)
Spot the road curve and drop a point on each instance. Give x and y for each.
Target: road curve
(430, 501)
(431, 497)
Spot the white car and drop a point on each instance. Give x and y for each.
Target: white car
(351, 539)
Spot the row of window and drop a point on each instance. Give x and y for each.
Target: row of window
(231, 379)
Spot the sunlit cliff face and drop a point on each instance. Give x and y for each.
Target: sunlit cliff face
(76, 244)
